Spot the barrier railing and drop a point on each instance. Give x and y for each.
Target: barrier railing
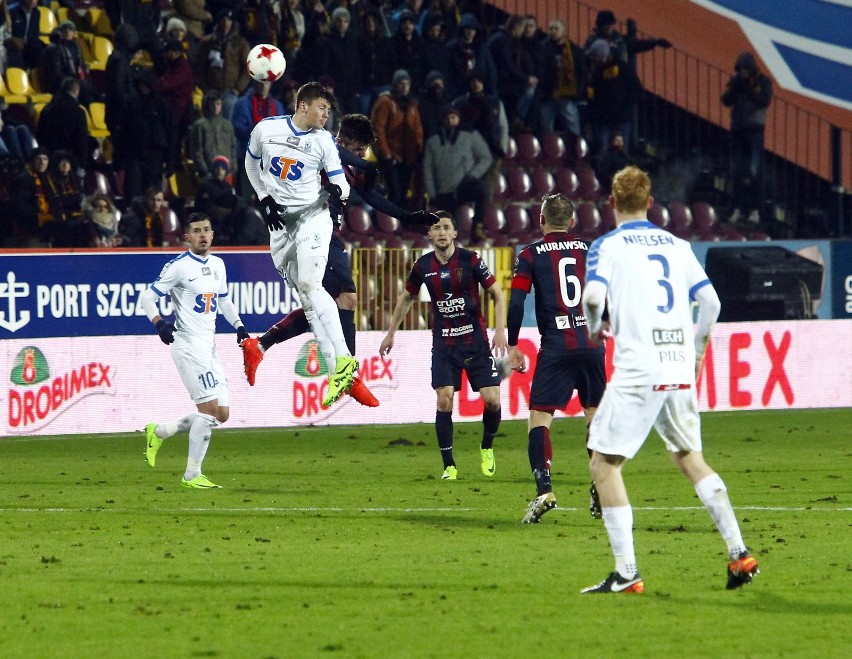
(807, 170)
(380, 275)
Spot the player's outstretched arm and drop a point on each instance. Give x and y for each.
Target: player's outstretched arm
(402, 307)
(499, 344)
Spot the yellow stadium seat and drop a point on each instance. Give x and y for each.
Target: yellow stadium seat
(95, 118)
(98, 22)
(18, 82)
(102, 48)
(47, 22)
(9, 97)
(37, 108)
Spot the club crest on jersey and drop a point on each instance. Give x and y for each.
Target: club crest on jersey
(293, 140)
(307, 147)
(459, 274)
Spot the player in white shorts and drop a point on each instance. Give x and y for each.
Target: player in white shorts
(198, 284)
(284, 158)
(647, 278)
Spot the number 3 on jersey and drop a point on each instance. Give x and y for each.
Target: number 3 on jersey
(288, 168)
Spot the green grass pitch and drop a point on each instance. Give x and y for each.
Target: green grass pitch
(345, 542)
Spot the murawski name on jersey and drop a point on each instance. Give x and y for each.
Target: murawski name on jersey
(665, 337)
(456, 331)
(561, 245)
(452, 306)
(649, 240)
(567, 322)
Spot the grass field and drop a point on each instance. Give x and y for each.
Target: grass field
(345, 542)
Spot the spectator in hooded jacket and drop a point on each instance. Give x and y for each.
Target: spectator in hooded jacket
(517, 81)
(431, 103)
(193, 15)
(399, 136)
(748, 94)
(468, 51)
(454, 164)
(211, 135)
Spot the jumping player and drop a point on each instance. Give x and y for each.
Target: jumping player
(556, 267)
(198, 284)
(284, 158)
(459, 334)
(353, 138)
(648, 278)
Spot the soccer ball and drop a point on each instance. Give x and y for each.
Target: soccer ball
(265, 63)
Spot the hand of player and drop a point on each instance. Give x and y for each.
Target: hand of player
(272, 214)
(242, 334)
(417, 218)
(604, 333)
(166, 330)
(499, 345)
(517, 362)
(386, 345)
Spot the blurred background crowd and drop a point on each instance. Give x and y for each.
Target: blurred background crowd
(120, 117)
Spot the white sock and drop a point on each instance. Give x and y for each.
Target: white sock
(714, 495)
(325, 345)
(328, 317)
(199, 441)
(166, 430)
(619, 527)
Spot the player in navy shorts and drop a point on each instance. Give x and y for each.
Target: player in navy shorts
(556, 267)
(459, 335)
(353, 137)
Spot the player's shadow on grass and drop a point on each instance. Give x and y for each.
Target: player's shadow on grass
(769, 601)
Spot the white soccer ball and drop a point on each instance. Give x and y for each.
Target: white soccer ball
(266, 63)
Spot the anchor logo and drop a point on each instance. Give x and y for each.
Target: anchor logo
(11, 290)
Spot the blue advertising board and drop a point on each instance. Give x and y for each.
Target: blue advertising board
(97, 294)
(841, 278)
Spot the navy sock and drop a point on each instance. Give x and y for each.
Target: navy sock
(347, 321)
(490, 426)
(538, 449)
(444, 430)
(293, 324)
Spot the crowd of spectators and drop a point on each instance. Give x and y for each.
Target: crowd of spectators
(444, 92)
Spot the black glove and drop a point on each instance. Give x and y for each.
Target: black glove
(242, 335)
(631, 27)
(664, 43)
(272, 214)
(417, 217)
(166, 331)
(334, 193)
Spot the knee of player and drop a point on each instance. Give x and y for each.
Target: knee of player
(223, 414)
(347, 300)
(445, 403)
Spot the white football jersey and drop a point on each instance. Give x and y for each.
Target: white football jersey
(651, 278)
(291, 160)
(195, 285)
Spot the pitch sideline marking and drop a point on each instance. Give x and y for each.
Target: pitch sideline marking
(268, 509)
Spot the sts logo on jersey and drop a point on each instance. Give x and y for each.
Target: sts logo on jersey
(286, 168)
